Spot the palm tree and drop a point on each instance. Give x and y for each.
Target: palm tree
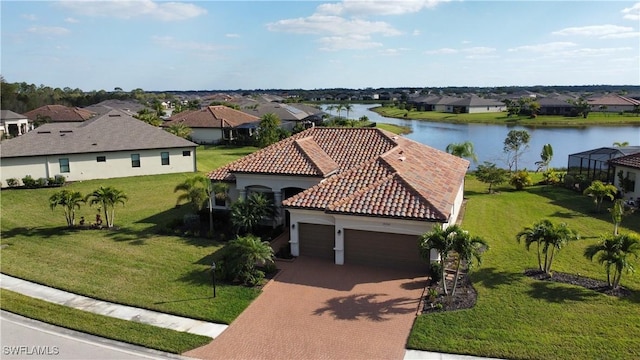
(195, 191)
(348, 108)
(70, 201)
(243, 253)
(439, 240)
(462, 150)
(598, 190)
(467, 247)
(535, 234)
(180, 130)
(339, 109)
(330, 108)
(107, 197)
(546, 155)
(555, 238)
(613, 252)
(620, 144)
(618, 211)
(247, 213)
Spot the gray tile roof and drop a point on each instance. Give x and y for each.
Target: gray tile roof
(113, 131)
(10, 115)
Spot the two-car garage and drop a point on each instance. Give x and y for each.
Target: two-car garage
(361, 247)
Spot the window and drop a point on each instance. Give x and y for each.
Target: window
(165, 158)
(101, 159)
(630, 182)
(186, 153)
(135, 160)
(219, 202)
(64, 165)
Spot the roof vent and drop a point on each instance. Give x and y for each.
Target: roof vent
(402, 158)
(114, 115)
(44, 132)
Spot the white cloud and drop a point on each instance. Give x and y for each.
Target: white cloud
(626, 35)
(71, 20)
(594, 30)
(349, 42)
(127, 9)
(377, 7)
(48, 30)
(442, 51)
(479, 50)
(30, 17)
(173, 43)
(393, 52)
(235, 36)
(333, 25)
(416, 32)
(548, 47)
(632, 13)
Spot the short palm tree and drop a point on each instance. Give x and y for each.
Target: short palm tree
(468, 248)
(555, 238)
(437, 239)
(180, 130)
(195, 191)
(535, 235)
(247, 213)
(70, 201)
(614, 252)
(107, 197)
(462, 150)
(598, 190)
(242, 256)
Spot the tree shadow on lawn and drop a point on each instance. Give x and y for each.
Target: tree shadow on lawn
(491, 278)
(353, 307)
(38, 232)
(557, 293)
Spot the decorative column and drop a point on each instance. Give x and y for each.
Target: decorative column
(242, 194)
(339, 246)
(277, 200)
(293, 239)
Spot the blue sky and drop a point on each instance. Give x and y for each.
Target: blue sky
(205, 45)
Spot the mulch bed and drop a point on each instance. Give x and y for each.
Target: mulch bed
(585, 282)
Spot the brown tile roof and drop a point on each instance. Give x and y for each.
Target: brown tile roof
(632, 161)
(370, 172)
(613, 100)
(60, 113)
(218, 116)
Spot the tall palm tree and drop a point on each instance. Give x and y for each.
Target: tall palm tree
(462, 150)
(348, 108)
(70, 201)
(535, 234)
(437, 239)
(598, 190)
(614, 252)
(545, 157)
(195, 191)
(107, 197)
(468, 248)
(339, 109)
(620, 144)
(555, 238)
(180, 130)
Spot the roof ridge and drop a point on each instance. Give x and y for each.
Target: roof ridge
(298, 143)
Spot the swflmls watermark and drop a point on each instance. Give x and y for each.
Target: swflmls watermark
(23, 350)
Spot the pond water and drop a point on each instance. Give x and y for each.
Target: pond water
(488, 139)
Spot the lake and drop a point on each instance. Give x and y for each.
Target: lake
(488, 139)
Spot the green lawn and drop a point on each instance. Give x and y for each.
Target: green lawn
(520, 318)
(594, 118)
(396, 129)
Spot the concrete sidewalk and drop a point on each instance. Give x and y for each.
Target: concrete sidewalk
(109, 309)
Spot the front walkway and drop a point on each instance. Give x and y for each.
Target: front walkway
(315, 309)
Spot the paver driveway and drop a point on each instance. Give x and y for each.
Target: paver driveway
(314, 309)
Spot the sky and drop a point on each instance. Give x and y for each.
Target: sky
(357, 44)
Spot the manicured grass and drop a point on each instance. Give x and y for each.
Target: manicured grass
(133, 264)
(594, 118)
(396, 129)
(121, 330)
(212, 157)
(520, 318)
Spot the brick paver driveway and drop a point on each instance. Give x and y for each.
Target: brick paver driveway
(314, 309)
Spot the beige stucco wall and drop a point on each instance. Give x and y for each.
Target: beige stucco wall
(206, 136)
(85, 166)
(486, 109)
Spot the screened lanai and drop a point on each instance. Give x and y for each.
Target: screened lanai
(593, 164)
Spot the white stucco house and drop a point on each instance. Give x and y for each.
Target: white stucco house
(353, 195)
(14, 124)
(630, 167)
(108, 146)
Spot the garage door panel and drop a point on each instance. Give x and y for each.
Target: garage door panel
(316, 240)
(383, 249)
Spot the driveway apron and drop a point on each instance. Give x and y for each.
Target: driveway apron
(314, 309)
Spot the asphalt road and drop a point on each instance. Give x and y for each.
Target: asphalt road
(23, 338)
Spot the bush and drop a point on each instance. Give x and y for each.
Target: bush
(29, 182)
(59, 180)
(13, 182)
(521, 179)
(41, 182)
(435, 271)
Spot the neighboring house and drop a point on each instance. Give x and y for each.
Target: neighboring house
(475, 104)
(215, 124)
(59, 113)
(613, 103)
(425, 103)
(289, 114)
(128, 107)
(109, 146)
(555, 106)
(630, 167)
(14, 124)
(353, 195)
(594, 164)
(444, 104)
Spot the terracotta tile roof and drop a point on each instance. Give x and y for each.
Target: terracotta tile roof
(613, 100)
(344, 147)
(376, 173)
(60, 113)
(218, 116)
(632, 161)
(412, 181)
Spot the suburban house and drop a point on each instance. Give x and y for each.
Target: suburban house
(128, 107)
(59, 113)
(108, 146)
(613, 103)
(215, 124)
(475, 104)
(353, 195)
(556, 106)
(594, 164)
(14, 124)
(289, 114)
(629, 165)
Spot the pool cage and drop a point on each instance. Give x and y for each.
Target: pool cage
(587, 166)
